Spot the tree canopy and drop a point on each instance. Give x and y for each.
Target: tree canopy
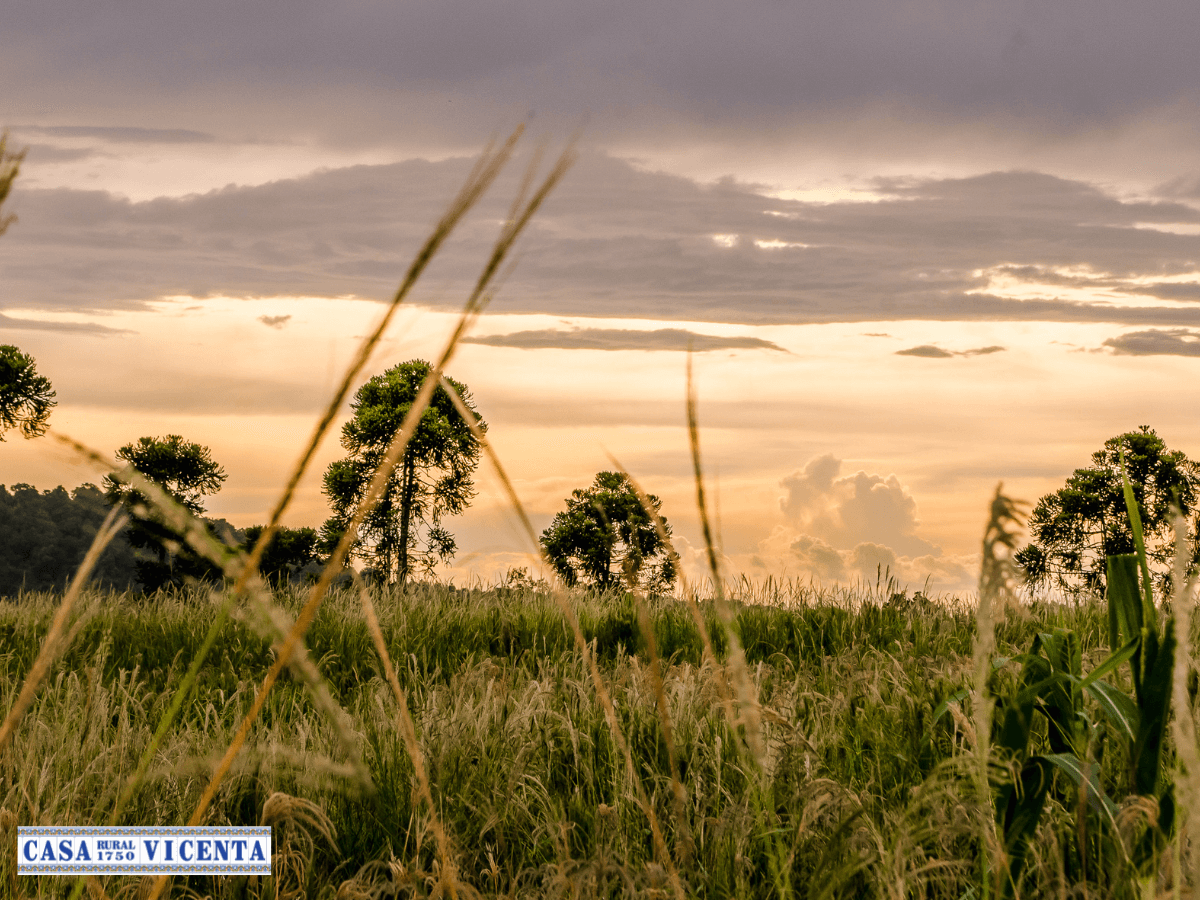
(605, 538)
(44, 536)
(287, 553)
(26, 397)
(433, 479)
(186, 471)
(1078, 526)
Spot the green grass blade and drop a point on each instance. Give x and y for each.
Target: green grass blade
(1135, 523)
(1125, 611)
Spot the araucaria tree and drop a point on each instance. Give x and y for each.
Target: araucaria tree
(403, 531)
(26, 397)
(187, 472)
(605, 538)
(1077, 527)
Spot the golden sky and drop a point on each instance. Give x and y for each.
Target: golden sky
(917, 251)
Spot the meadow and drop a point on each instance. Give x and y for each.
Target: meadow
(854, 789)
(731, 740)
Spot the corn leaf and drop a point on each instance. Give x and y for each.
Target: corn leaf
(1084, 776)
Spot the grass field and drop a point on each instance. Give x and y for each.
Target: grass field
(741, 740)
(848, 787)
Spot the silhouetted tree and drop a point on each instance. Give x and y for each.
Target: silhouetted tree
(187, 472)
(431, 481)
(26, 397)
(606, 538)
(45, 535)
(286, 554)
(1078, 526)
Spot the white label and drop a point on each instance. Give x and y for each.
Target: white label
(45, 850)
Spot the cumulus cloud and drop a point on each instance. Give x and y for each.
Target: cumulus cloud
(621, 339)
(867, 562)
(854, 509)
(856, 528)
(1169, 342)
(815, 556)
(929, 351)
(274, 321)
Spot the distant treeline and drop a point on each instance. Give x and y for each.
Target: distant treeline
(44, 536)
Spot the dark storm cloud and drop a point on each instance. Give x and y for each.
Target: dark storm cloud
(1068, 65)
(614, 241)
(621, 339)
(929, 351)
(1172, 342)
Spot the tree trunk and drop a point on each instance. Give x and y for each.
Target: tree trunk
(406, 499)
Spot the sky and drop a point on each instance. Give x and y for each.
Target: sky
(918, 249)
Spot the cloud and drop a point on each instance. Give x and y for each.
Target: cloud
(702, 66)
(853, 509)
(612, 238)
(929, 351)
(1171, 342)
(274, 321)
(48, 153)
(818, 558)
(70, 327)
(926, 350)
(123, 135)
(869, 563)
(621, 339)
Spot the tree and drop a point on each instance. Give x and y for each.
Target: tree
(606, 537)
(1081, 524)
(431, 481)
(26, 397)
(45, 535)
(286, 554)
(187, 472)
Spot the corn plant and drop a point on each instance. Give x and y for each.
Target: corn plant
(1052, 686)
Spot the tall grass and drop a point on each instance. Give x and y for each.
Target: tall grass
(522, 764)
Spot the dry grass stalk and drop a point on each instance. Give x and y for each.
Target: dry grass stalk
(475, 304)
(1183, 723)
(747, 693)
(408, 731)
(294, 822)
(710, 654)
(232, 563)
(598, 684)
(54, 643)
(996, 576)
